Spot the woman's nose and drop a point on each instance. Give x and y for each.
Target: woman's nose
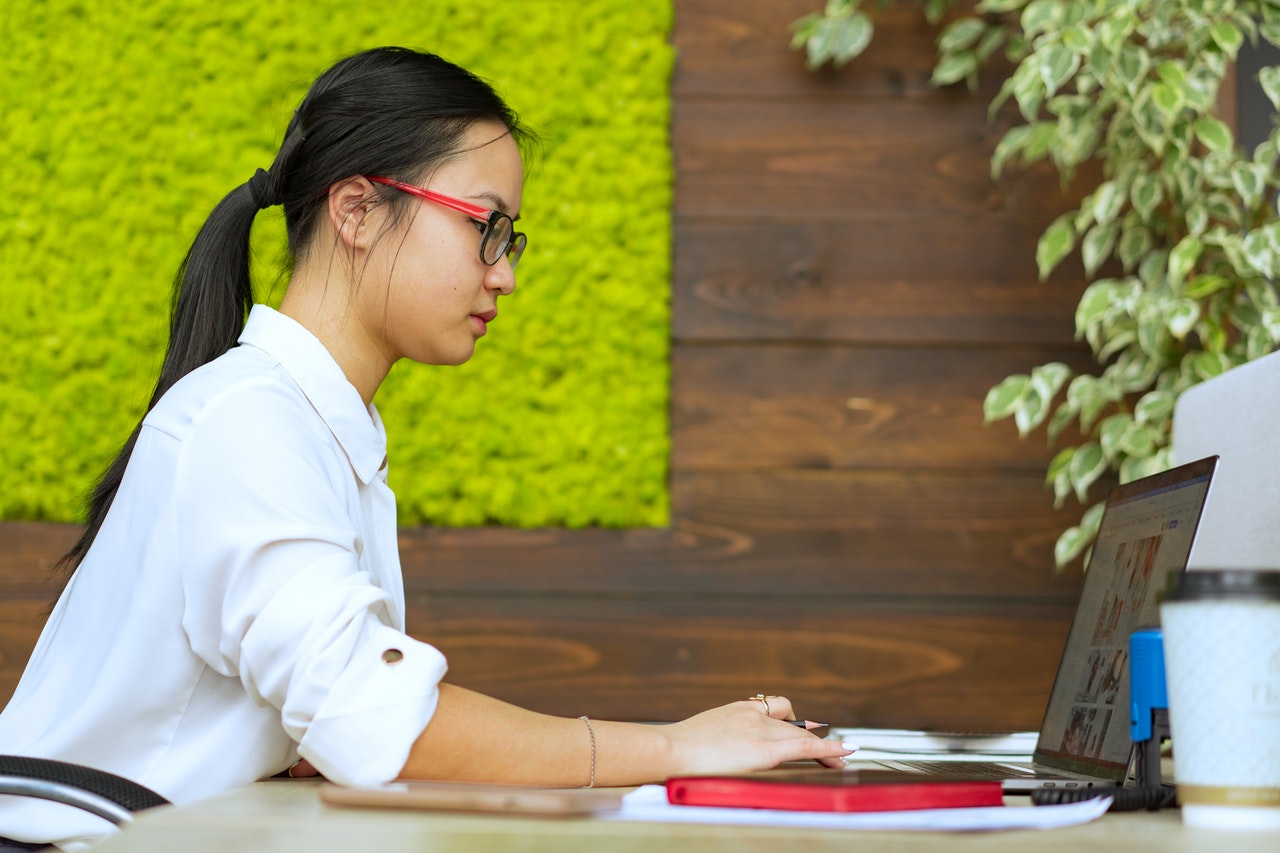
(501, 277)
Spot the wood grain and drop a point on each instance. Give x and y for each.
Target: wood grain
(840, 661)
(643, 658)
(852, 652)
(792, 160)
(29, 551)
(789, 405)
(741, 50)
(962, 537)
(927, 278)
(20, 624)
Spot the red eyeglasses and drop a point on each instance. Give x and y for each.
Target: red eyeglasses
(499, 236)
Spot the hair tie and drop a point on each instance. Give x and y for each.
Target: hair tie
(263, 189)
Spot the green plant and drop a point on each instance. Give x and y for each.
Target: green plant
(125, 122)
(1179, 236)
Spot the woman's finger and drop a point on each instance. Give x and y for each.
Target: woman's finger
(772, 705)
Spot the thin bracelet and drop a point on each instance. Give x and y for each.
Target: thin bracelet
(592, 732)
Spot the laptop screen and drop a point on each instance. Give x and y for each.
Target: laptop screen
(1145, 535)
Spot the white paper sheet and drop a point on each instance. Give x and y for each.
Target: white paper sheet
(898, 742)
(649, 804)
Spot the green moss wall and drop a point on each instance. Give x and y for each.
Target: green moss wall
(125, 122)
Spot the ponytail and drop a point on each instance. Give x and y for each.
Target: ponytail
(388, 111)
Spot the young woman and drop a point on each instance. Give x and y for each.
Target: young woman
(237, 606)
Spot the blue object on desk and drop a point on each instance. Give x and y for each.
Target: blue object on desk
(1148, 717)
(1148, 690)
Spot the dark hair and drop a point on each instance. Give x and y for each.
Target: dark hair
(389, 111)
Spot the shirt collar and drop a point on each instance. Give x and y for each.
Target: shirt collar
(357, 428)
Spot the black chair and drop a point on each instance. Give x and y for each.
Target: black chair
(106, 795)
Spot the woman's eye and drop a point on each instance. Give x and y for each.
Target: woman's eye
(480, 226)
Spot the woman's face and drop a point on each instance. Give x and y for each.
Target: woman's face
(440, 297)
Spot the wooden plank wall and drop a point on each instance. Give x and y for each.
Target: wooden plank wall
(848, 282)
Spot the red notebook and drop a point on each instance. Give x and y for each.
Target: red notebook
(831, 791)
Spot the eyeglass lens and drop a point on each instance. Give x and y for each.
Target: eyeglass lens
(500, 239)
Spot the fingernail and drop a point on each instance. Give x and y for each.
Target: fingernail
(852, 747)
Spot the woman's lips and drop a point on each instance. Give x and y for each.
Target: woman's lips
(484, 319)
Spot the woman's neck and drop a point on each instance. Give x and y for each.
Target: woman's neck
(327, 310)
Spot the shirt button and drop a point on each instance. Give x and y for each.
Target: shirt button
(391, 657)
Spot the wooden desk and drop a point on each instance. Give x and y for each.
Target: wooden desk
(288, 816)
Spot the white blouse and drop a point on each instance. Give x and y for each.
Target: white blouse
(243, 603)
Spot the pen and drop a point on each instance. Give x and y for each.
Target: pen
(807, 724)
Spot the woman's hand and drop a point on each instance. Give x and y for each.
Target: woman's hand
(302, 769)
(740, 737)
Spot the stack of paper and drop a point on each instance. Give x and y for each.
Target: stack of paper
(882, 743)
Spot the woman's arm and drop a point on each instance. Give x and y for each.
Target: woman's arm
(475, 738)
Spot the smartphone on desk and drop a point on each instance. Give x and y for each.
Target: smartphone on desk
(477, 798)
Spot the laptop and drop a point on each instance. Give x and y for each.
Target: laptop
(1145, 535)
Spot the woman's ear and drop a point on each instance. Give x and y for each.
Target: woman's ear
(352, 211)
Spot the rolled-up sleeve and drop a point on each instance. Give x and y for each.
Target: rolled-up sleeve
(275, 593)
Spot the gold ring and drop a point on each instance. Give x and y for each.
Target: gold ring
(763, 700)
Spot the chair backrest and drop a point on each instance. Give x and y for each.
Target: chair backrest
(106, 795)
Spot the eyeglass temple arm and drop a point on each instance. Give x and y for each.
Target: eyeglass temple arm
(484, 214)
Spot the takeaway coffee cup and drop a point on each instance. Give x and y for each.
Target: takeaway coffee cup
(1222, 660)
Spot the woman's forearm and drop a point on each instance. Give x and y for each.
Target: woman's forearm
(475, 738)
